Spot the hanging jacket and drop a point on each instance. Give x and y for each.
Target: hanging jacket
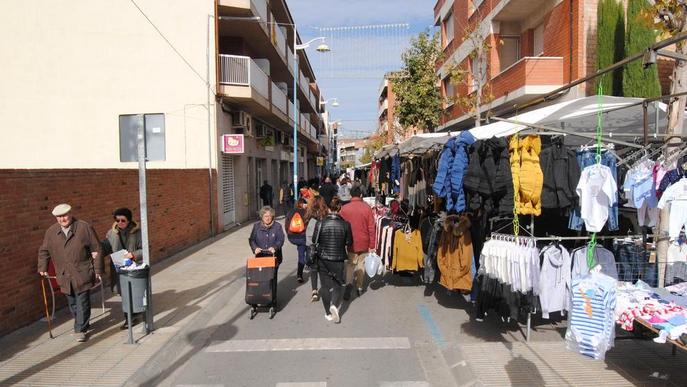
(561, 174)
(527, 175)
(488, 182)
(395, 173)
(554, 280)
(455, 256)
(452, 166)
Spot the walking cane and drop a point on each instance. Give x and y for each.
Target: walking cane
(45, 302)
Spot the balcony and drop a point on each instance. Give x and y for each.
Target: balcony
(247, 7)
(278, 39)
(526, 78)
(242, 78)
(279, 99)
(384, 106)
(518, 10)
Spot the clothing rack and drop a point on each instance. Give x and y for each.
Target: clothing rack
(558, 238)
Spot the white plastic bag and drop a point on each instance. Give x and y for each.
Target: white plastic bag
(373, 265)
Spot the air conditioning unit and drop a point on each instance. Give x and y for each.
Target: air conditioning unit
(261, 130)
(242, 120)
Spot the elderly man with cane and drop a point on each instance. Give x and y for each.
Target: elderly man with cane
(74, 248)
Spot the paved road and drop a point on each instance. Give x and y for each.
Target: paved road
(396, 334)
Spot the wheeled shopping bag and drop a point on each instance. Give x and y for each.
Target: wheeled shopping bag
(261, 284)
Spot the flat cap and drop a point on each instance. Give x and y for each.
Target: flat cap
(61, 209)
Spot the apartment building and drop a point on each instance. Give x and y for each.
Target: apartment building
(388, 125)
(536, 46)
(191, 74)
(350, 150)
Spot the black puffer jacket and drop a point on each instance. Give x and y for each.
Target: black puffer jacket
(335, 235)
(561, 174)
(488, 182)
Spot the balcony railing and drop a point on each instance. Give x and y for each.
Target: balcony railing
(261, 8)
(529, 71)
(291, 109)
(382, 107)
(279, 99)
(313, 100)
(279, 40)
(243, 71)
(289, 59)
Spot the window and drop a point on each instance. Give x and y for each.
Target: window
(448, 29)
(538, 44)
(509, 51)
(449, 91)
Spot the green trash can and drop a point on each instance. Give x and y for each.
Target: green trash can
(137, 281)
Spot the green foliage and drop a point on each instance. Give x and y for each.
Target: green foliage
(374, 143)
(638, 82)
(610, 44)
(418, 100)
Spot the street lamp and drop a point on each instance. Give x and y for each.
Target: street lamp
(335, 102)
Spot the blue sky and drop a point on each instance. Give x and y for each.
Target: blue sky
(366, 38)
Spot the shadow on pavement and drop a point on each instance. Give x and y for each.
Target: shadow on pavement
(523, 372)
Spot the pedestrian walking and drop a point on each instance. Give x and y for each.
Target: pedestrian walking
(266, 194)
(125, 234)
(345, 190)
(334, 239)
(328, 190)
(361, 217)
(286, 196)
(316, 211)
(267, 238)
(295, 224)
(74, 248)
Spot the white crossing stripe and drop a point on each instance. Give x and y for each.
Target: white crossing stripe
(310, 344)
(403, 384)
(303, 384)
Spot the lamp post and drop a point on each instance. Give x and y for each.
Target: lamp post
(296, 47)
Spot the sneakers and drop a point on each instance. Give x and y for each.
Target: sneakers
(315, 296)
(360, 291)
(81, 337)
(335, 314)
(328, 317)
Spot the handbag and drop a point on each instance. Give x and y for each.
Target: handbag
(314, 250)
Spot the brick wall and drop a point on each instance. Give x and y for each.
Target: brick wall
(178, 214)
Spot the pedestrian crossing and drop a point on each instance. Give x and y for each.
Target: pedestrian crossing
(310, 344)
(323, 384)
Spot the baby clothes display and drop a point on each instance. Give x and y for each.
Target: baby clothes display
(586, 158)
(602, 257)
(591, 328)
(597, 191)
(640, 192)
(676, 196)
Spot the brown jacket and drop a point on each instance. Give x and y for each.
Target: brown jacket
(454, 258)
(72, 256)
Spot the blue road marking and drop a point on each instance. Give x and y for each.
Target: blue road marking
(432, 326)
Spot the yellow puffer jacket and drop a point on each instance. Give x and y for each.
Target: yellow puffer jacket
(528, 178)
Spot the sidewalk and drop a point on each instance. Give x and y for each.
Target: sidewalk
(183, 286)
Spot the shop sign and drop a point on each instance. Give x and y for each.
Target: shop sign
(233, 143)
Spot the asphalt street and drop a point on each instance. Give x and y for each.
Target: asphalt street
(394, 334)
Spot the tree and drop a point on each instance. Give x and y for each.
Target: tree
(670, 18)
(374, 143)
(418, 100)
(474, 73)
(610, 44)
(637, 81)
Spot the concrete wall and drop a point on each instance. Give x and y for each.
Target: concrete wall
(71, 67)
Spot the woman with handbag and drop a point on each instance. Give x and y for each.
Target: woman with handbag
(333, 239)
(316, 211)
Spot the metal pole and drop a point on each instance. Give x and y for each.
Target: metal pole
(130, 314)
(210, 137)
(645, 114)
(295, 115)
(143, 194)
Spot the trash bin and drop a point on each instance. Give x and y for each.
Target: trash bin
(139, 289)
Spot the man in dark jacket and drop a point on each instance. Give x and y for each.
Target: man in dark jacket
(74, 249)
(335, 240)
(266, 194)
(328, 190)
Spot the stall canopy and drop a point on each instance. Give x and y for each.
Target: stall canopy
(622, 116)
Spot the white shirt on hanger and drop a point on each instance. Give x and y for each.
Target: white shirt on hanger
(597, 191)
